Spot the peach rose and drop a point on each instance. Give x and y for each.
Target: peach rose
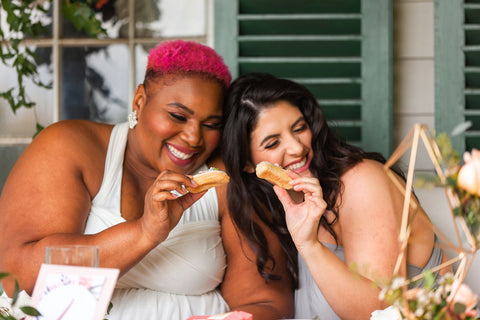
(463, 295)
(469, 175)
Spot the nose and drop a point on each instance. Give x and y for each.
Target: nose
(294, 146)
(192, 134)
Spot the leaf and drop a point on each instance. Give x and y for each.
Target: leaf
(16, 291)
(39, 128)
(30, 311)
(429, 277)
(4, 275)
(461, 128)
(459, 308)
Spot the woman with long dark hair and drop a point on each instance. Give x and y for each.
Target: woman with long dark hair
(343, 209)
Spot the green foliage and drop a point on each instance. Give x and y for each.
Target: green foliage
(82, 15)
(13, 55)
(25, 309)
(20, 26)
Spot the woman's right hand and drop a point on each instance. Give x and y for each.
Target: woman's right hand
(163, 209)
(303, 218)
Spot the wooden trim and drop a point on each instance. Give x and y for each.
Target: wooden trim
(226, 32)
(449, 69)
(377, 75)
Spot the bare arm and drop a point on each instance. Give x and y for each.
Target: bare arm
(243, 288)
(47, 199)
(368, 231)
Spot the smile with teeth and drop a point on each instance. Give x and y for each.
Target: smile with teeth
(177, 153)
(297, 165)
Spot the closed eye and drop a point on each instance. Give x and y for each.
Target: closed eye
(177, 117)
(271, 144)
(214, 126)
(300, 128)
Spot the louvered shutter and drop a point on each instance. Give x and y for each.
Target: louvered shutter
(457, 69)
(340, 49)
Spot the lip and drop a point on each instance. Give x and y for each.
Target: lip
(178, 161)
(304, 167)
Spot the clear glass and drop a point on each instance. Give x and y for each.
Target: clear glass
(113, 16)
(22, 123)
(170, 18)
(95, 83)
(74, 255)
(36, 17)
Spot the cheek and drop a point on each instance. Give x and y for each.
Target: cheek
(212, 139)
(266, 155)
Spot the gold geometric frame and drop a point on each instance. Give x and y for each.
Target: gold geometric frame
(464, 255)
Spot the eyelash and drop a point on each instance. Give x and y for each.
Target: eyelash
(179, 118)
(299, 129)
(271, 145)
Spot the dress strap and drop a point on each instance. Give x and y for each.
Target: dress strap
(112, 176)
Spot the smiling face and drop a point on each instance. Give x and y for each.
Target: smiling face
(282, 136)
(179, 122)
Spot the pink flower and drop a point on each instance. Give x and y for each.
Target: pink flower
(469, 175)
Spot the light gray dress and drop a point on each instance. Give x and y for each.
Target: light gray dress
(309, 301)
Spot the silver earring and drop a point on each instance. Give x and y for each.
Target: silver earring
(132, 119)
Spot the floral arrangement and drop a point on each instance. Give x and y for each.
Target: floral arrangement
(16, 307)
(447, 297)
(448, 300)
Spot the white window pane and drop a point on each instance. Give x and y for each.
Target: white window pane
(176, 18)
(22, 124)
(95, 83)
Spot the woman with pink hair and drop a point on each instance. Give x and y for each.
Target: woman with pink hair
(122, 188)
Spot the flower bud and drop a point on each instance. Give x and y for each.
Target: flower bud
(469, 174)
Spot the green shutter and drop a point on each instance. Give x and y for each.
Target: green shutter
(457, 69)
(340, 49)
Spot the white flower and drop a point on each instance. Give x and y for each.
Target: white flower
(390, 313)
(23, 300)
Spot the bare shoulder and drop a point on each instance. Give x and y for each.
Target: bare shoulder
(65, 153)
(367, 191)
(74, 135)
(364, 170)
(55, 179)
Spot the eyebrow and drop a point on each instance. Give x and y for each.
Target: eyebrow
(276, 135)
(181, 106)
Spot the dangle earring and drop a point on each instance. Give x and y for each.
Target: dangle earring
(132, 119)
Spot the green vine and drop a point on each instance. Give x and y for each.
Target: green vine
(20, 26)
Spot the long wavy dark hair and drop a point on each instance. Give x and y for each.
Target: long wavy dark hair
(249, 195)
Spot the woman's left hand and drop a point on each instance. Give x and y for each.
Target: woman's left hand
(303, 218)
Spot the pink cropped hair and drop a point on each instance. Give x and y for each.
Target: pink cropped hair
(184, 57)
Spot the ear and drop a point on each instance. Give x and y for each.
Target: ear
(139, 99)
(249, 167)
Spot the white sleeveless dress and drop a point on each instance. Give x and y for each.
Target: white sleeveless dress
(177, 279)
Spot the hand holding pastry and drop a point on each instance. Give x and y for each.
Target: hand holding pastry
(208, 179)
(273, 174)
(303, 218)
(165, 201)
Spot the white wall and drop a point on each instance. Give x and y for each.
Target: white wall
(414, 103)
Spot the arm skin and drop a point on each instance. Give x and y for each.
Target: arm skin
(243, 288)
(367, 228)
(47, 197)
